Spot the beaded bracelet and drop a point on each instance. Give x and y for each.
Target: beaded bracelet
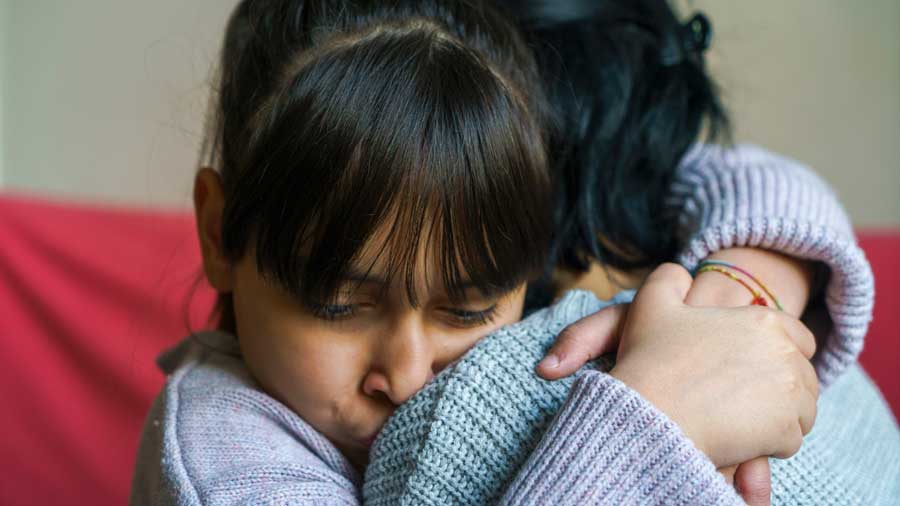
(722, 267)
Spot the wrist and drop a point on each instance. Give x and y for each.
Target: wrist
(714, 289)
(788, 278)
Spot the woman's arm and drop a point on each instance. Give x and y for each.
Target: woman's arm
(777, 219)
(788, 278)
(746, 197)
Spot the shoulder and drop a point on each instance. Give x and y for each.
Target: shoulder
(718, 160)
(218, 436)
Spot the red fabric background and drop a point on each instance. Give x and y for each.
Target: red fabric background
(88, 297)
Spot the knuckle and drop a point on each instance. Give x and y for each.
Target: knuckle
(671, 269)
(570, 335)
(813, 382)
(794, 383)
(811, 420)
(810, 338)
(793, 445)
(765, 317)
(572, 342)
(791, 438)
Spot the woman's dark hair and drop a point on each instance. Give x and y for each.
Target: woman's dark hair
(630, 95)
(335, 119)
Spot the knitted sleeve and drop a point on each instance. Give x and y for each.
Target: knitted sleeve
(746, 196)
(850, 456)
(487, 430)
(609, 446)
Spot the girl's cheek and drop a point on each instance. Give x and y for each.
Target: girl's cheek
(318, 362)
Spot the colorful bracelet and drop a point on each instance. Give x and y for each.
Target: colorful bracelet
(722, 267)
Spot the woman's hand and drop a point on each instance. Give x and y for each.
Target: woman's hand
(736, 380)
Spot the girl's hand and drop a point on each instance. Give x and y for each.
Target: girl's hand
(598, 334)
(752, 480)
(741, 388)
(736, 380)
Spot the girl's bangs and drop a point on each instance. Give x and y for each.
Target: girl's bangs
(407, 136)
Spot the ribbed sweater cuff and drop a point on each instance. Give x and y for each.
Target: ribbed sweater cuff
(748, 197)
(608, 445)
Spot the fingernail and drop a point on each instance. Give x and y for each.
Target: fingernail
(549, 362)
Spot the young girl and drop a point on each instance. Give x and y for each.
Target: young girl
(380, 202)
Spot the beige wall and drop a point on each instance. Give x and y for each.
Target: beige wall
(818, 80)
(4, 35)
(103, 99)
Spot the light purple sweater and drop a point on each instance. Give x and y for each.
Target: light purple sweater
(214, 437)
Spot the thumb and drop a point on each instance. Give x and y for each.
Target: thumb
(753, 481)
(582, 341)
(667, 285)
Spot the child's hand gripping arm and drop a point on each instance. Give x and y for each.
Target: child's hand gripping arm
(790, 279)
(742, 388)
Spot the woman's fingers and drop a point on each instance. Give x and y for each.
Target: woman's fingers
(583, 341)
(808, 394)
(728, 473)
(668, 284)
(800, 334)
(753, 481)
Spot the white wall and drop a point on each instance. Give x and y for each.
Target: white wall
(107, 96)
(103, 99)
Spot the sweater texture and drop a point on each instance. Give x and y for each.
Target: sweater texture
(214, 437)
(483, 432)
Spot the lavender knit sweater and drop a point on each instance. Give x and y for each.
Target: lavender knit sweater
(213, 437)
(747, 196)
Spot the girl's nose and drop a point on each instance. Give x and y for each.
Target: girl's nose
(403, 362)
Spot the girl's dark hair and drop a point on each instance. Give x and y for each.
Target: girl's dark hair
(335, 119)
(630, 96)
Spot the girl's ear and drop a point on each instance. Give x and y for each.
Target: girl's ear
(209, 202)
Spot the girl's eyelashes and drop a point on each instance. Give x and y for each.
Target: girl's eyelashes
(458, 317)
(332, 312)
(467, 318)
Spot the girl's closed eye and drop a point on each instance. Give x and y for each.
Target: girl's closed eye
(332, 312)
(469, 318)
(343, 307)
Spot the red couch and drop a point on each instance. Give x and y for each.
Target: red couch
(88, 297)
